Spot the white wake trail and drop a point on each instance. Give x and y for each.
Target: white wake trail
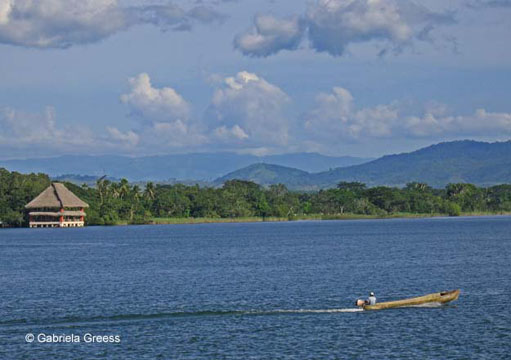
(309, 311)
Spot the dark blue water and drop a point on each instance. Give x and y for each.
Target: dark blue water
(258, 291)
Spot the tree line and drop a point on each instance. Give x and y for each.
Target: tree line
(114, 202)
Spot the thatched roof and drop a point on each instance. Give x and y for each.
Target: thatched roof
(56, 196)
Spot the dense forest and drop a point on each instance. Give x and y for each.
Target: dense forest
(121, 202)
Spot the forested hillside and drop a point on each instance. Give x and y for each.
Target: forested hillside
(480, 163)
(16, 190)
(122, 202)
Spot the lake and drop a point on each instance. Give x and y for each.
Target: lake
(257, 291)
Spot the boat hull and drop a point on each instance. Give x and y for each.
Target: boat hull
(441, 298)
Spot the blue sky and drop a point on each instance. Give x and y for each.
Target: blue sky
(340, 77)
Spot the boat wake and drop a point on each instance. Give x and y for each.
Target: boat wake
(74, 321)
(323, 311)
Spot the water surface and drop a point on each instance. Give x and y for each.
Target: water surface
(259, 290)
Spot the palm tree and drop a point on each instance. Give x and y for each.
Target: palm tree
(454, 190)
(134, 200)
(135, 192)
(124, 188)
(149, 191)
(102, 186)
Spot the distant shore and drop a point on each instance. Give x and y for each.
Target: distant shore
(253, 219)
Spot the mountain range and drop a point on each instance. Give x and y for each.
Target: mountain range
(179, 167)
(479, 163)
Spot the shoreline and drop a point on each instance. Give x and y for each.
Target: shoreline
(192, 221)
(254, 219)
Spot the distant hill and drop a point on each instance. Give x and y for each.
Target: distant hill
(437, 165)
(199, 166)
(268, 174)
(480, 163)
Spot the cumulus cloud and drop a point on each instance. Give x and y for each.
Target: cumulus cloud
(336, 117)
(245, 110)
(129, 138)
(481, 122)
(40, 133)
(21, 129)
(270, 35)
(5, 11)
(63, 23)
(224, 133)
(154, 104)
(249, 108)
(333, 25)
(206, 15)
(164, 115)
(177, 134)
(246, 114)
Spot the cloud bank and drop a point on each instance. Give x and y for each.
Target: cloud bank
(246, 113)
(39, 133)
(332, 25)
(335, 117)
(63, 23)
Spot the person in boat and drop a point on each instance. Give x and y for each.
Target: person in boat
(371, 300)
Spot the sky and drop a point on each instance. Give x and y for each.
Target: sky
(339, 77)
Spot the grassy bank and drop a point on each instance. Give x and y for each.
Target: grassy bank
(317, 217)
(209, 220)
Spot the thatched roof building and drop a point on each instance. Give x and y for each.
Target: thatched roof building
(56, 207)
(56, 196)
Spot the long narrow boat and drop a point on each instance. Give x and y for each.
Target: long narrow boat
(440, 298)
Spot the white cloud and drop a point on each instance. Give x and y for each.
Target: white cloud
(129, 138)
(165, 116)
(5, 11)
(63, 23)
(270, 35)
(251, 108)
(59, 23)
(246, 114)
(42, 134)
(159, 137)
(206, 15)
(226, 134)
(333, 25)
(480, 123)
(27, 129)
(245, 110)
(335, 117)
(177, 134)
(155, 104)
(336, 23)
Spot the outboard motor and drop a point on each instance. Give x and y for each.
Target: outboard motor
(360, 302)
